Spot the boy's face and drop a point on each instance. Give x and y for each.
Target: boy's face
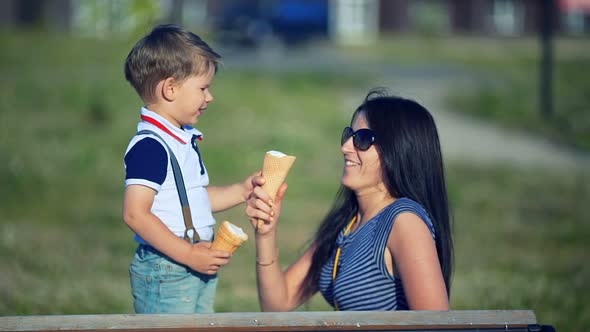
(192, 98)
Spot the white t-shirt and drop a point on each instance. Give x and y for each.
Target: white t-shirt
(147, 163)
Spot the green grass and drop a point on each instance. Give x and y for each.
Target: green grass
(66, 116)
(505, 80)
(505, 88)
(513, 101)
(521, 242)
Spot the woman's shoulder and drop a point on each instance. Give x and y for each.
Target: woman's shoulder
(408, 205)
(404, 204)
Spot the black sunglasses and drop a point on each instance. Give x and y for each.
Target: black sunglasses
(362, 139)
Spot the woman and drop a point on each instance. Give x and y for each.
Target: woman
(386, 243)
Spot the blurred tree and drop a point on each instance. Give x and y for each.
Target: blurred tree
(28, 12)
(469, 16)
(430, 17)
(175, 15)
(144, 15)
(58, 14)
(548, 9)
(129, 18)
(393, 15)
(43, 14)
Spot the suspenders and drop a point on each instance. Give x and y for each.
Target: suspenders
(190, 234)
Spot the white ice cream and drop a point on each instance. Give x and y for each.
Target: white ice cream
(277, 154)
(237, 231)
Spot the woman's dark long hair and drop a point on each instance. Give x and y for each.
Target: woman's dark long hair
(411, 161)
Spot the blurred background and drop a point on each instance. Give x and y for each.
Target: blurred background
(508, 82)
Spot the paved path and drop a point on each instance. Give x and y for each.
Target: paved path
(477, 141)
(462, 138)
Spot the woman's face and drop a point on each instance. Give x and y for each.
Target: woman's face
(362, 169)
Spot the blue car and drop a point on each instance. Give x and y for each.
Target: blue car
(250, 23)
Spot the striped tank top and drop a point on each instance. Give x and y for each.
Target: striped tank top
(363, 282)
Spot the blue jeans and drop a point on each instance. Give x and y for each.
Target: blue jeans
(160, 285)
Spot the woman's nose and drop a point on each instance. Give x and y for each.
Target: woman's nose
(347, 147)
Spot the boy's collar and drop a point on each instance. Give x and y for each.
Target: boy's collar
(183, 135)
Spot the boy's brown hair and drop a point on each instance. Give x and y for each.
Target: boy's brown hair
(167, 51)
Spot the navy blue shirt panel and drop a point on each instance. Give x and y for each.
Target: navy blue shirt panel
(147, 160)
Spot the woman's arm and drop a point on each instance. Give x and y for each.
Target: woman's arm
(277, 290)
(416, 261)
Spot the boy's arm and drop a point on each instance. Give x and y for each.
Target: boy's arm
(225, 197)
(138, 216)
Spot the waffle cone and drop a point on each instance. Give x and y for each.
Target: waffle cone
(226, 239)
(274, 171)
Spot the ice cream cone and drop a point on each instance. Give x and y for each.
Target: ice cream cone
(229, 237)
(275, 168)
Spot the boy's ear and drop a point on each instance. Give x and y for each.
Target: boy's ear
(169, 88)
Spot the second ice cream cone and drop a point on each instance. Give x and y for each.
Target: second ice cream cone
(229, 237)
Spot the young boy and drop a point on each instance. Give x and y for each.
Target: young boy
(173, 270)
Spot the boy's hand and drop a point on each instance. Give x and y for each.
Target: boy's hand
(252, 181)
(205, 260)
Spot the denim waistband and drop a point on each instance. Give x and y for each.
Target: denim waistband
(143, 248)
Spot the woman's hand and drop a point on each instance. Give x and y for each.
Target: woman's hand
(263, 211)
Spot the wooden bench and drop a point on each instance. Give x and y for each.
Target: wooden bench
(460, 320)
